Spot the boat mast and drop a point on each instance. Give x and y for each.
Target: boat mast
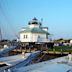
(0, 34)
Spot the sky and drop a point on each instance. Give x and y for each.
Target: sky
(56, 15)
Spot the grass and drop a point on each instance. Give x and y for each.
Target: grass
(61, 48)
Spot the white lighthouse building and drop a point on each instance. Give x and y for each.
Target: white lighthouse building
(34, 32)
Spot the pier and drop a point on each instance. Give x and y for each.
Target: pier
(44, 51)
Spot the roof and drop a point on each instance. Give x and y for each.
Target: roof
(34, 30)
(34, 21)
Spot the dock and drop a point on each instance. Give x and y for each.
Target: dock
(44, 51)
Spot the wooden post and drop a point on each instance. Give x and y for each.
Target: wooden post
(61, 51)
(47, 49)
(41, 48)
(54, 51)
(25, 49)
(21, 49)
(29, 49)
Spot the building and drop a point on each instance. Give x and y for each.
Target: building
(34, 32)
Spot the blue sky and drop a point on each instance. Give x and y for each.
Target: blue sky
(56, 14)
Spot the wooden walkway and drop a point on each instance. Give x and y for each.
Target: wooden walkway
(55, 52)
(46, 51)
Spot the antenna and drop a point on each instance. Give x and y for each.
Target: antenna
(41, 20)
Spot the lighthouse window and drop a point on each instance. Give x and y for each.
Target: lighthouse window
(25, 36)
(38, 36)
(34, 23)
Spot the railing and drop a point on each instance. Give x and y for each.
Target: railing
(54, 51)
